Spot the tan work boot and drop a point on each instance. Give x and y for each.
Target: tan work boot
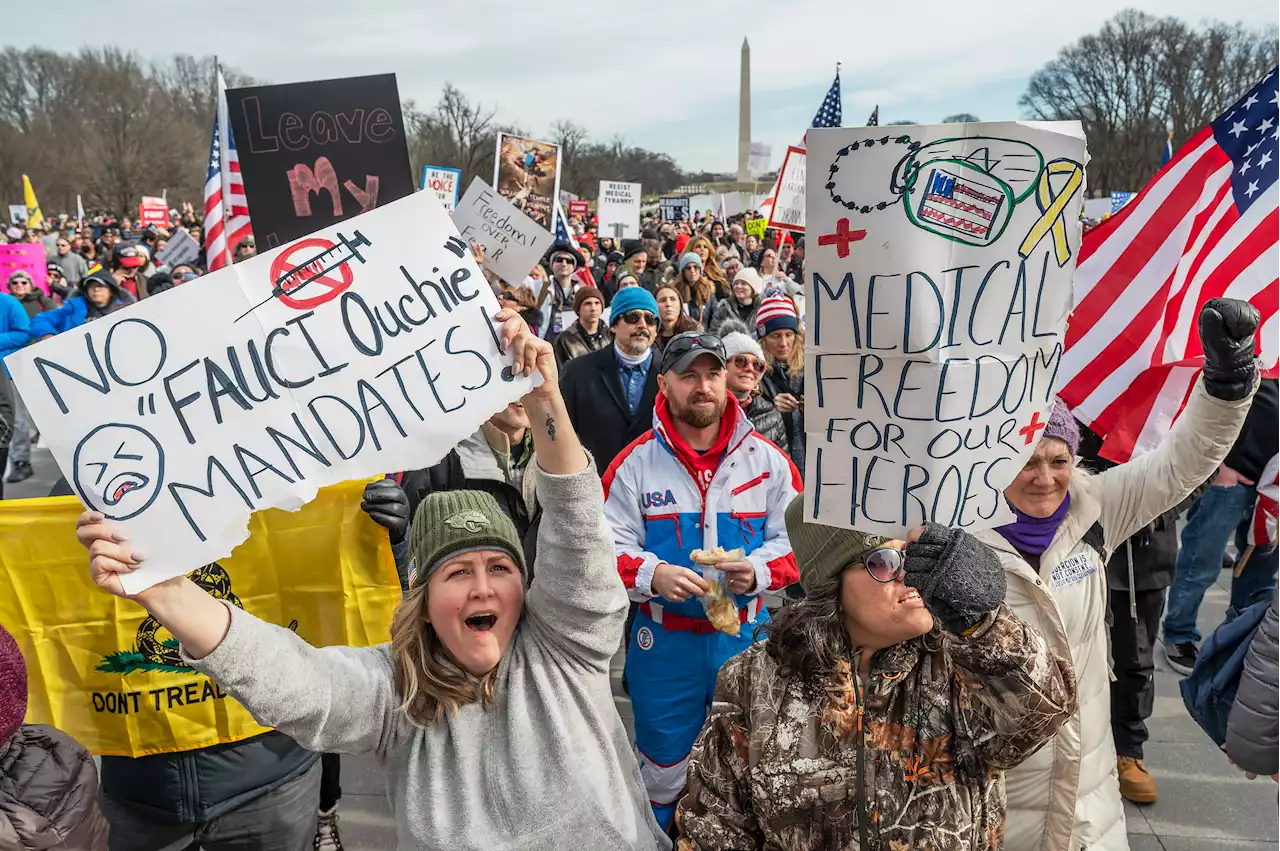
(1136, 783)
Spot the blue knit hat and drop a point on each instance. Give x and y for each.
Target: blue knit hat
(690, 258)
(631, 298)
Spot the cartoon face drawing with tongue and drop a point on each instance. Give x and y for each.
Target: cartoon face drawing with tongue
(119, 470)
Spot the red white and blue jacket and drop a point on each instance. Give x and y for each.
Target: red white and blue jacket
(659, 514)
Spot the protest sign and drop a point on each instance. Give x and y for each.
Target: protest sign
(513, 242)
(27, 257)
(18, 214)
(758, 156)
(618, 209)
(940, 269)
(527, 173)
(180, 249)
(1118, 200)
(444, 182)
(364, 348)
(757, 226)
(787, 212)
(674, 208)
(313, 154)
(153, 211)
(113, 679)
(581, 209)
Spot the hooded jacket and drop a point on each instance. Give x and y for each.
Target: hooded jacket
(1252, 727)
(1067, 796)
(778, 763)
(48, 793)
(35, 303)
(78, 310)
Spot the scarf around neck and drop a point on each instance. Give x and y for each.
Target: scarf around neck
(1033, 535)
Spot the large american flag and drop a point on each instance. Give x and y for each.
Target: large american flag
(828, 115)
(564, 233)
(1205, 226)
(226, 212)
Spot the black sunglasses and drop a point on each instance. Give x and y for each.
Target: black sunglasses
(682, 344)
(563, 258)
(635, 317)
(885, 564)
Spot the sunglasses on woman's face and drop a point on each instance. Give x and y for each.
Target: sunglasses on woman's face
(746, 362)
(884, 564)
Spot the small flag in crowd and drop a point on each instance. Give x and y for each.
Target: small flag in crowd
(874, 120)
(1205, 226)
(35, 218)
(1167, 153)
(226, 212)
(564, 233)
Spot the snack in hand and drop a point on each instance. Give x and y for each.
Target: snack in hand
(718, 602)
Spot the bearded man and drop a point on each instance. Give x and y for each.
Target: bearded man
(701, 478)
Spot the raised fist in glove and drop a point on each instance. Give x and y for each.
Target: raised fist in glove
(959, 577)
(1227, 330)
(385, 502)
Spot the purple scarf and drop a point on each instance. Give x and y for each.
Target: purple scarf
(1034, 534)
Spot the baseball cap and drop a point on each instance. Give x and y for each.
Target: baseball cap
(683, 349)
(128, 255)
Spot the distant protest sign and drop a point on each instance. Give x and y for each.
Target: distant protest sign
(26, 257)
(314, 154)
(581, 209)
(939, 282)
(618, 209)
(527, 173)
(153, 211)
(180, 249)
(674, 208)
(443, 182)
(366, 347)
(513, 242)
(756, 227)
(787, 212)
(18, 214)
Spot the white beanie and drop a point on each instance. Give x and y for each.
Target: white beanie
(751, 277)
(737, 342)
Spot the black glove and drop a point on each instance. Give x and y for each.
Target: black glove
(385, 502)
(1227, 330)
(959, 577)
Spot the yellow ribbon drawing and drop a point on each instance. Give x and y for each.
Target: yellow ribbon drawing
(1052, 207)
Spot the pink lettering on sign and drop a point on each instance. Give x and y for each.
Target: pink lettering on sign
(297, 132)
(27, 257)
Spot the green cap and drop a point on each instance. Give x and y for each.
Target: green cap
(822, 552)
(449, 522)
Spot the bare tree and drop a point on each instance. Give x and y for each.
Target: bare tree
(570, 137)
(961, 118)
(456, 133)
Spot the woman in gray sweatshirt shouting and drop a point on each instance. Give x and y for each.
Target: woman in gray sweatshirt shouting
(491, 706)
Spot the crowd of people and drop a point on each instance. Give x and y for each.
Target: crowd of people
(794, 685)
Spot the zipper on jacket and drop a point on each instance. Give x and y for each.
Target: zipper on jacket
(863, 835)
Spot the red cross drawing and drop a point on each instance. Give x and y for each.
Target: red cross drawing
(1030, 429)
(842, 237)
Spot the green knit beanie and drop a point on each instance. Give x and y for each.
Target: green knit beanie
(448, 522)
(822, 552)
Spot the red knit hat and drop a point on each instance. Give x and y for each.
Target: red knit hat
(681, 242)
(13, 686)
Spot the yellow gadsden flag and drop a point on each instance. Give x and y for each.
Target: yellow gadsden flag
(35, 218)
(106, 673)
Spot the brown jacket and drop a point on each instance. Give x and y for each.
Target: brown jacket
(48, 793)
(920, 750)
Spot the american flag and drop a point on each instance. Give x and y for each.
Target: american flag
(1205, 226)
(828, 115)
(226, 212)
(874, 120)
(564, 233)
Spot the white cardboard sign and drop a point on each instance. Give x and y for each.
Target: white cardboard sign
(787, 212)
(939, 272)
(619, 205)
(181, 248)
(365, 348)
(513, 242)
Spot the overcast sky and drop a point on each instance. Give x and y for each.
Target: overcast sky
(662, 74)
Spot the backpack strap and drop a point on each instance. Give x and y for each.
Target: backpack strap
(1096, 538)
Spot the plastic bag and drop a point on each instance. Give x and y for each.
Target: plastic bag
(718, 603)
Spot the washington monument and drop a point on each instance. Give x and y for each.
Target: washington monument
(744, 115)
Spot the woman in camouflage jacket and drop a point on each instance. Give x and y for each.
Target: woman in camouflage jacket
(883, 709)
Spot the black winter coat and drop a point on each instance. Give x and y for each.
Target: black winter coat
(593, 395)
(48, 793)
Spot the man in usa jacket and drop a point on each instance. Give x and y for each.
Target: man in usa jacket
(701, 477)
